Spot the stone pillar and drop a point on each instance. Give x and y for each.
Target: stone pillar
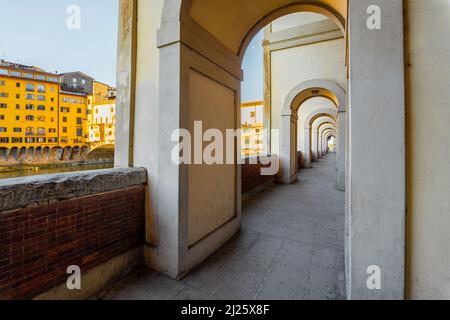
(307, 148)
(288, 146)
(340, 150)
(376, 182)
(314, 144)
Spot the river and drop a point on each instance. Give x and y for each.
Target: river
(34, 171)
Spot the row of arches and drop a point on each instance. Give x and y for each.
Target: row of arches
(316, 124)
(36, 155)
(188, 58)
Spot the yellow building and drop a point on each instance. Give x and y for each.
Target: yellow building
(101, 115)
(28, 107)
(72, 119)
(35, 112)
(252, 128)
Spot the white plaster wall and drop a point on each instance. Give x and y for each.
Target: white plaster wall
(211, 187)
(295, 20)
(324, 60)
(428, 110)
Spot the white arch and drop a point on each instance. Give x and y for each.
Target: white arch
(336, 93)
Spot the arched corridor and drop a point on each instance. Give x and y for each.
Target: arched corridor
(291, 246)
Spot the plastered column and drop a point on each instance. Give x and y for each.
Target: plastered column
(307, 148)
(340, 151)
(314, 144)
(288, 146)
(376, 181)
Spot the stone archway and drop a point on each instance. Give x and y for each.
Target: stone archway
(182, 51)
(296, 97)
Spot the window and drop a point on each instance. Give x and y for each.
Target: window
(65, 109)
(41, 77)
(41, 131)
(52, 89)
(41, 140)
(3, 129)
(52, 130)
(3, 106)
(53, 79)
(65, 99)
(17, 96)
(16, 74)
(17, 84)
(4, 72)
(29, 107)
(4, 140)
(64, 129)
(30, 87)
(30, 97)
(74, 100)
(79, 110)
(74, 80)
(64, 119)
(83, 81)
(28, 75)
(17, 118)
(2, 83)
(18, 106)
(52, 140)
(41, 97)
(52, 99)
(16, 140)
(2, 117)
(64, 140)
(79, 132)
(41, 108)
(30, 140)
(41, 119)
(79, 121)
(29, 118)
(17, 130)
(29, 131)
(41, 88)
(4, 94)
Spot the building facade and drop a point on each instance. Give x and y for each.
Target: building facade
(252, 128)
(101, 115)
(72, 118)
(29, 100)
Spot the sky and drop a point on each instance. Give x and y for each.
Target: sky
(34, 32)
(253, 85)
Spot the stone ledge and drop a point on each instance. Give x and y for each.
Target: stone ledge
(28, 191)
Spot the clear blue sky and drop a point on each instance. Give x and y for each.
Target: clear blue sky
(253, 85)
(34, 32)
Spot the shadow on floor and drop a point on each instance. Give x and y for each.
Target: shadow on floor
(290, 247)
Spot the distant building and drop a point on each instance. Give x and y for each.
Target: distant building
(73, 118)
(252, 128)
(77, 82)
(102, 115)
(29, 100)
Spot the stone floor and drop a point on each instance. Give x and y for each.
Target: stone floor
(291, 247)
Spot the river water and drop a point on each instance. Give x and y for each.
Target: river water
(39, 171)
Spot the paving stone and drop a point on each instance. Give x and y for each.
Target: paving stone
(291, 246)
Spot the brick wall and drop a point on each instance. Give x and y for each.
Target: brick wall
(252, 178)
(37, 244)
